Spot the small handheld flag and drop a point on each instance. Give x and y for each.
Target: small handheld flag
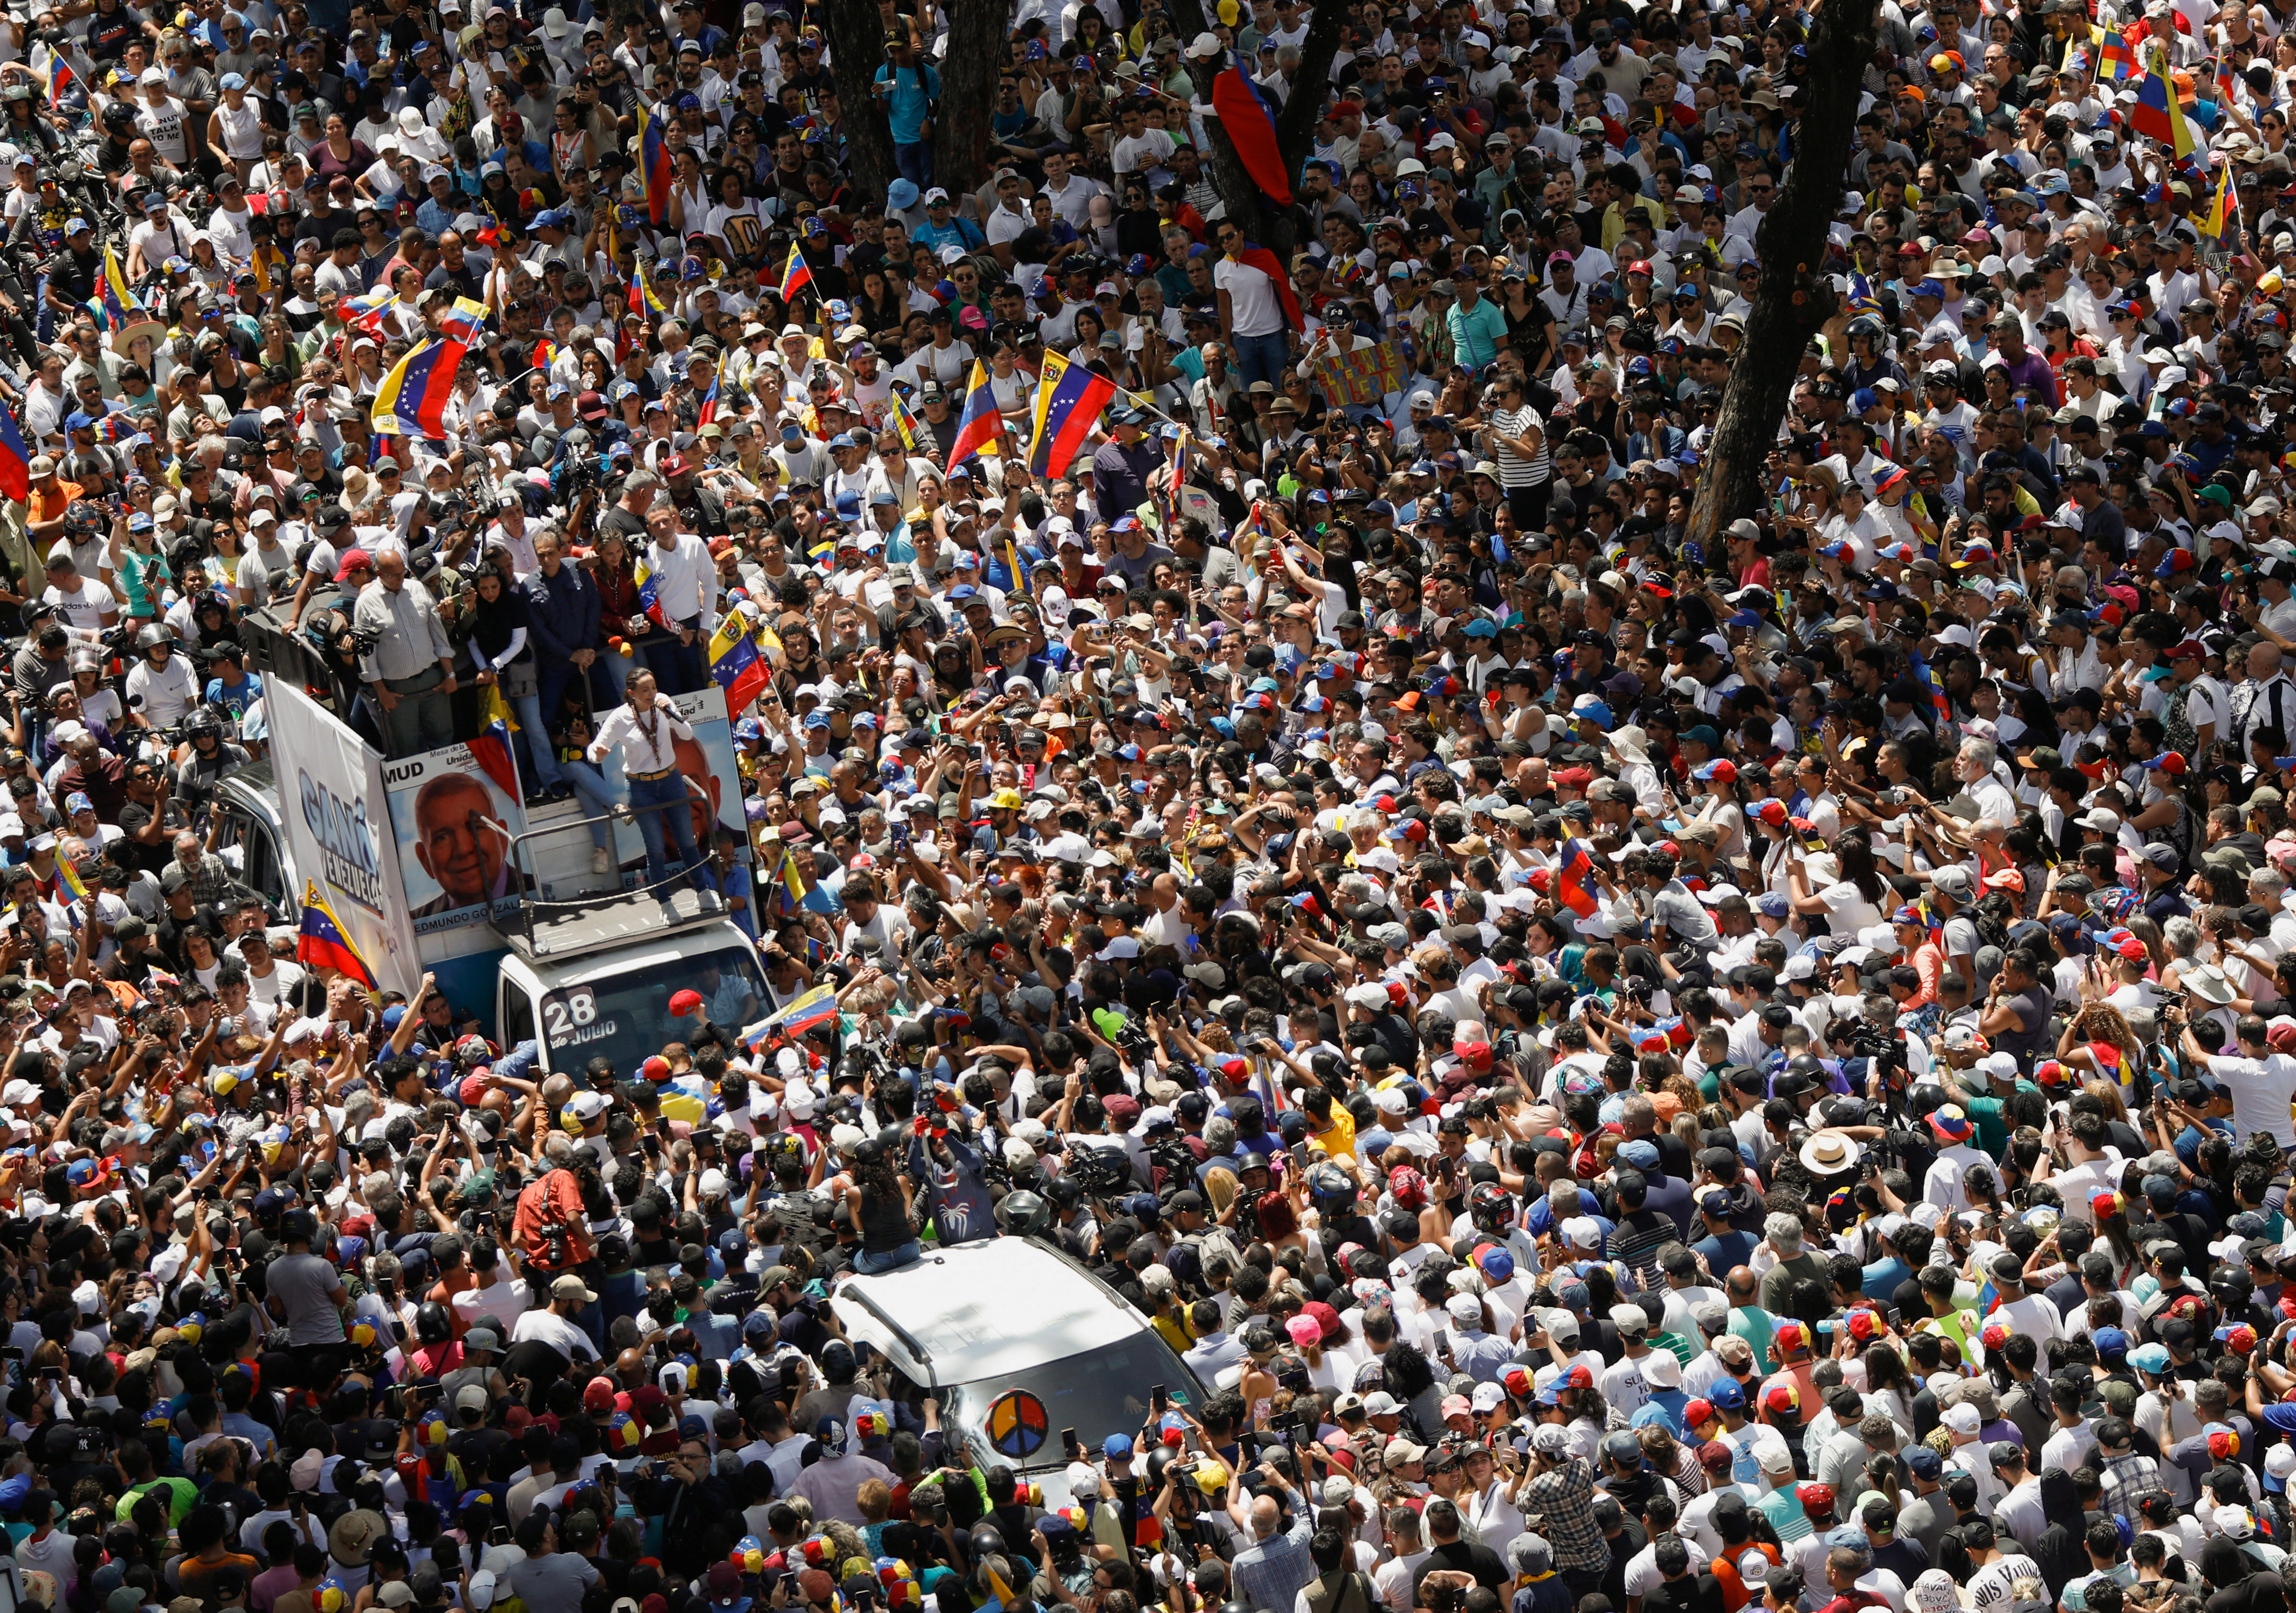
(1574, 880)
(980, 430)
(365, 312)
(654, 164)
(795, 275)
(904, 422)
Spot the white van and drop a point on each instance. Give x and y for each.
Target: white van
(1017, 1342)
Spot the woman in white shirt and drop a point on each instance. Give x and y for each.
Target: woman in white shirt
(1845, 886)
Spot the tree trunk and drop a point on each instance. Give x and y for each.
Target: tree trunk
(1793, 300)
(978, 30)
(856, 50)
(1295, 127)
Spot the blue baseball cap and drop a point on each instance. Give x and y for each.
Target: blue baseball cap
(1726, 1396)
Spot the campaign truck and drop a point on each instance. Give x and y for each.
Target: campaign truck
(434, 864)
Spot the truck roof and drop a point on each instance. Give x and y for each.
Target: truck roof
(561, 929)
(983, 1310)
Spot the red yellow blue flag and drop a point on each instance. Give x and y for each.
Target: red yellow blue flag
(323, 943)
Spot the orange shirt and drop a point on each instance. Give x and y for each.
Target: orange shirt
(46, 504)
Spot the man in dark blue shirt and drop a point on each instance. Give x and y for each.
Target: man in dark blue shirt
(1121, 466)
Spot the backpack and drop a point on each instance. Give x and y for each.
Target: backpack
(1353, 1593)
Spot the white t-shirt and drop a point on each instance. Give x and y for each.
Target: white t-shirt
(1252, 298)
(85, 607)
(2260, 1091)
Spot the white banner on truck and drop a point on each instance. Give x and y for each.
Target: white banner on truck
(338, 823)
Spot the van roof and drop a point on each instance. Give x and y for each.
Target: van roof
(980, 1310)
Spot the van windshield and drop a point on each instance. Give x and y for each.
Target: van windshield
(1101, 1390)
(626, 1019)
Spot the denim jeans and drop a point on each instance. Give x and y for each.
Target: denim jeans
(668, 798)
(540, 751)
(597, 798)
(869, 1265)
(1262, 357)
(677, 667)
(915, 163)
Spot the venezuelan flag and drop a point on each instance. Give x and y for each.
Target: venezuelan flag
(68, 880)
(653, 162)
(980, 430)
(546, 353)
(795, 275)
(2223, 207)
(1574, 880)
(1070, 399)
(1862, 299)
(649, 594)
(15, 462)
(1248, 113)
(323, 944)
(119, 303)
(905, 424)
(800, 1017)
(792, 881)
(61, 77)
(413, 399)
(709, 404)
(365, 311)
(2156, 115)
(735, 664)
(464, 322)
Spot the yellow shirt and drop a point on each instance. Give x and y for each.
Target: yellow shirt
(1339, 1142)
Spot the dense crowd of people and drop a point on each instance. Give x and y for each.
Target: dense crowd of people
(1626, 1068)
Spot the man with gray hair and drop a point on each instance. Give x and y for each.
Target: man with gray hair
(1783, 1235)
(1274, 1569)
(1974, 767)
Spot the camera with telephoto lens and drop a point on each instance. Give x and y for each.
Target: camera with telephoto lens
(1882, 1048)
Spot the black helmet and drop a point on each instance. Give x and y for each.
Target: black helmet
(1491, 1202)
(298, 1226)
(431, 1325)
(1023, 1214)
(203, 722)
(1064, 1192)
(119, 119)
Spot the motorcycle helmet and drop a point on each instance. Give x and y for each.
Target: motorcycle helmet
(83, 520)
(203, 724)
(431, 1325)
(1867, 326)
(1064, 1193)
(1332, 1190)
(1491, 1205)
(119, 119)
(1024, 1215)
(153, 636)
